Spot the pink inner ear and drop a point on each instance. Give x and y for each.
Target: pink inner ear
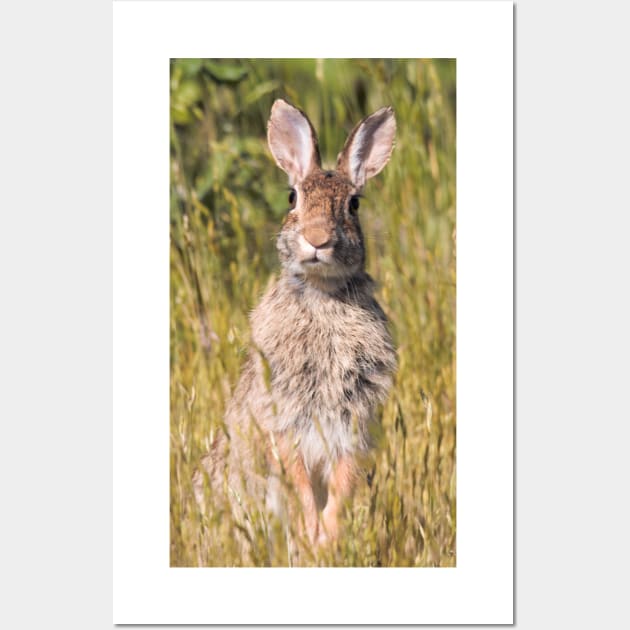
(373, 144)
(369, 146)
(292, 141)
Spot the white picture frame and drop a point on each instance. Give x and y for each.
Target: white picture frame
(480, 36)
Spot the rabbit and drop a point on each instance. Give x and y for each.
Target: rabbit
(322, 358)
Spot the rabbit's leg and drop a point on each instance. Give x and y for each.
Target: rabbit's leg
(300, 480)
(340, 487)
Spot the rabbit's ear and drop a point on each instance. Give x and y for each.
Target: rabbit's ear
(292, 141)
(369, 147)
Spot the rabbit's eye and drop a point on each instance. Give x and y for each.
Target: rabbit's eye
(292, 198)
(354, 204)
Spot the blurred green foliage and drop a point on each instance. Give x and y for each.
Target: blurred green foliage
(228, 199)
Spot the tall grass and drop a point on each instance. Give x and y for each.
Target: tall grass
(227, 203)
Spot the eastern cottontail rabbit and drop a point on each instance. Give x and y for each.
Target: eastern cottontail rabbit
(321, 357)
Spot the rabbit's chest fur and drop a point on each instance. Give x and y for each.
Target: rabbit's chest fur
(331, 359)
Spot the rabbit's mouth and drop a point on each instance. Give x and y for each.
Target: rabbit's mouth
(325, 275)
(317, 257)
(320, 260)
(310, 256)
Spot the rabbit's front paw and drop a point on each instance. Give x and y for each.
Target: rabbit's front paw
(329, 528)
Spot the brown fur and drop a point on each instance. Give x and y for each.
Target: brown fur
(322, 358)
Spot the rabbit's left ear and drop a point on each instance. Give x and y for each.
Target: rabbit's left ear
(369, 147)
(292, 141)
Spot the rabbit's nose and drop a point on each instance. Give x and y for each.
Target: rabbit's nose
(317, 237)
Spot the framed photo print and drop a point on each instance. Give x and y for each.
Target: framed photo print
(313, 242)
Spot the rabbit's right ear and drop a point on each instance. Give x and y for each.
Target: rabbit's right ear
(369, 147)
(292, 141)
